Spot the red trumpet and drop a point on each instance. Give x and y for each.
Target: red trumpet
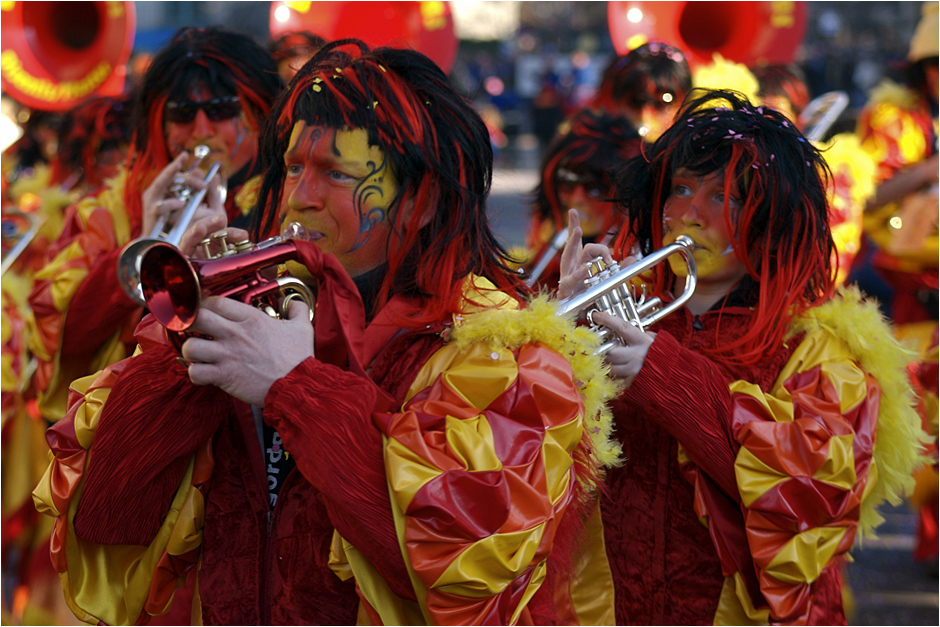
(175, 286)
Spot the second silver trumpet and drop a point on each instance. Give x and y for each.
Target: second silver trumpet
(609, 291)
(129, 262)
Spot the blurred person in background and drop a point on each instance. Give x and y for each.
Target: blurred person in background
(92, 141)
(292, 50)
(782, 87)
(898, 128)
(646, 85)
(207, 86)
(576, 173)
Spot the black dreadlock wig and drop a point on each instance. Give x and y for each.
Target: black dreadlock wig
(782, 228)
(643, 76)
(94, 126)
(783, 81)
(439, 150)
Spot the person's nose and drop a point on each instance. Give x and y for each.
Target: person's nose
(306, 196)
(202, 125)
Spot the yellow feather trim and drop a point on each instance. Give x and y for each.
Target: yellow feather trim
(247, 196)
(539, 323)
(724, 74)
(899, 441)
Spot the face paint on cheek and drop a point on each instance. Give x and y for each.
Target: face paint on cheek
(376, 189)
(371, 200)
(240, 135)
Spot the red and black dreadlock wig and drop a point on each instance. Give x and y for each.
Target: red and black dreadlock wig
(439, 150)
(781, 231)
(643, 76)
(228, 64)
(586, 150)
(94, 128)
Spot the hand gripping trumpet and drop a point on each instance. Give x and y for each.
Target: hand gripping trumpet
(609, 291)
(131, 255)
(174, 286)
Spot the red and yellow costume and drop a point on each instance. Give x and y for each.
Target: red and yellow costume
(896, 128)
(83, 319)
(738, 508)
(25, 534)
(484, 436)
(853, 182)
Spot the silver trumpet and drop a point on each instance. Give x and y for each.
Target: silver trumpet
(129, 263)
(609, 291)
(22, 238)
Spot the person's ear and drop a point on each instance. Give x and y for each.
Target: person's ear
(408, 208)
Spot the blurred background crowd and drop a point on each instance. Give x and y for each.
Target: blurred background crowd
(566, 89)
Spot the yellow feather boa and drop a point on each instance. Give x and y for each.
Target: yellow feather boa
(539, 323)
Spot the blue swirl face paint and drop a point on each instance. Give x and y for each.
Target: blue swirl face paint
(340, 189)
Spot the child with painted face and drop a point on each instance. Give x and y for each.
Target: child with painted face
(425, 447)
(749, 415)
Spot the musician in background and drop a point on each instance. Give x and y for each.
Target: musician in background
(292, 50)
(89, 138)
(422, 377)
(646, 85)
(898, 128)
(207, 86)
(577, 174)
(753, 408)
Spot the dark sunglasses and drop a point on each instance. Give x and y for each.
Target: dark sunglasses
(567, 182)
(216, 109)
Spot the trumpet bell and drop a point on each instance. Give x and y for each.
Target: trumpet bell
(170, 287)
(174, 287)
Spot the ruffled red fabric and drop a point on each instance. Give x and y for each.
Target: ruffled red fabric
(152, 423)
(327, 413)
(665, 563)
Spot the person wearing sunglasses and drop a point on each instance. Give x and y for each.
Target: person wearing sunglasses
(206, 87)
(576, 175)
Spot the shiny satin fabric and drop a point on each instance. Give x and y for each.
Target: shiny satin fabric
(480, 468)
(115, 584)
(479, 465)
(802, 469)
(98, 224)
